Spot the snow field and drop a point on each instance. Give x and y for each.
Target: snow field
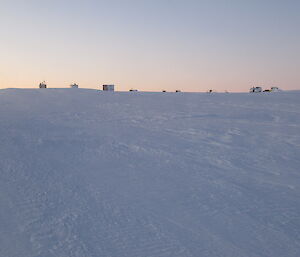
(89, 173)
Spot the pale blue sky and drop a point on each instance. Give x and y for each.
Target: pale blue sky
(151, 45)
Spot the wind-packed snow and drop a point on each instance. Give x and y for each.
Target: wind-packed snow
(101, 174)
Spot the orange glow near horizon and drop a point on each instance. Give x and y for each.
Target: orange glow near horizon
(150, 46)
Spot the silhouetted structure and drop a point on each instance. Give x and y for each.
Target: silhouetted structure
(275, 89)
(74, 86)
(255, 90)
(43, 85)
(108, 87)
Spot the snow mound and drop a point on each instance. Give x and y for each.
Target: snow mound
(85, 173)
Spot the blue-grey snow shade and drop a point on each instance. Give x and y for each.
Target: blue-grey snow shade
(151, 45)
(91, 174)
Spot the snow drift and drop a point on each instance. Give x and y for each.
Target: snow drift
(88, 173)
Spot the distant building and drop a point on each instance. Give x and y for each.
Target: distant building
(74, 86)
(275, 89)
(43, 85)
(255, 90)
(108, 87)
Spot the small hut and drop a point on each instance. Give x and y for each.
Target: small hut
(43, 85)
(108, 87)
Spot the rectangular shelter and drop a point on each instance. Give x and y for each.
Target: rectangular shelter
(108, 87)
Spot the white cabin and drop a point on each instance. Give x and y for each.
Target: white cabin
(255, 90)
(108, 87)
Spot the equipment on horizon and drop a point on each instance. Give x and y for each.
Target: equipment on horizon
(275, 89)
(74, 86)
(255, 90)
(108, 87)
(43, 85)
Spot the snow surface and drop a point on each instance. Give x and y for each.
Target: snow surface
(89, 173)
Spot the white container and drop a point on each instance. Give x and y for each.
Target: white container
(108, 87)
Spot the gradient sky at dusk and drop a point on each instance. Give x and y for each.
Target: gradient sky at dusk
(151, 44)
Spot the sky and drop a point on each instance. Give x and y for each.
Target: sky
(151, 45)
